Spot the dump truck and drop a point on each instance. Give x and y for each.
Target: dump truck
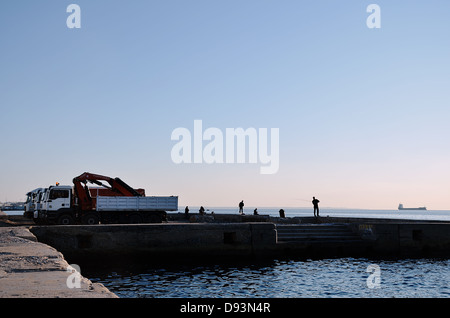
(112, 203)
(32, 202)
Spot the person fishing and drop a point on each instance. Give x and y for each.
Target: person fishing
(315, 203)
(241, 207)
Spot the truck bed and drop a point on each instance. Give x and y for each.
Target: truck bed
(106, 203)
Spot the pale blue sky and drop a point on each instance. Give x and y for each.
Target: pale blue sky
(363, 113)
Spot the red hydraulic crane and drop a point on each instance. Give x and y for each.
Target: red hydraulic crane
(116, 188)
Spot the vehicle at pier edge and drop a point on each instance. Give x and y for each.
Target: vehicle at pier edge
(112, 203)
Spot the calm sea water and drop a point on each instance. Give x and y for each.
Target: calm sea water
(326, 278)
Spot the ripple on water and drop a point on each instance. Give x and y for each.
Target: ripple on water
(346, 277)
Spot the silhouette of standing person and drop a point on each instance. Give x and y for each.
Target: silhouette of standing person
(241, 207)
(315, 203)
(186, 212)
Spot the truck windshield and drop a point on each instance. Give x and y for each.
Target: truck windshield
(57, 194)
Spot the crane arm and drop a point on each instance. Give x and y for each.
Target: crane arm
(85, 200)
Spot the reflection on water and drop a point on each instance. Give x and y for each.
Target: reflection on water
(345, 277)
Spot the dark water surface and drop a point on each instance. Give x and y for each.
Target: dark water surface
(326, 278)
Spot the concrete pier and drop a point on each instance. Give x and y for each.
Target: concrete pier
(406, 239)
(29, 269)
(161, 241)
(368, 238)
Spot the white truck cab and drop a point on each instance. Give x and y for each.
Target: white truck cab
(55, 200)
(37, 203)
(58, 197)
(32, 203)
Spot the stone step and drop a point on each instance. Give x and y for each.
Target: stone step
(312, 228)
(323, 236)
(316, 233)
(347, 242)
(312, 232)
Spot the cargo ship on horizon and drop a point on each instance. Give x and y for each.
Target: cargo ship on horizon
(400, 207)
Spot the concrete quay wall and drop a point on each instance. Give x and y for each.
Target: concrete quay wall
(172, 240)
(402, 239)
(215, 240)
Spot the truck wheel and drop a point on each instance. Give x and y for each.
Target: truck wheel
(90, 219)
(155, 218)
(66, 219)
(39, 221)
(135, 218)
